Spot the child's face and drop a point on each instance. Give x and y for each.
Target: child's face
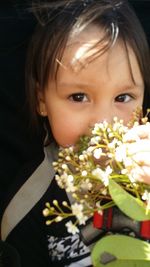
(99, 91)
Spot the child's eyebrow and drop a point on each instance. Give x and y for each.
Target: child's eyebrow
(82, 85)
(133, 86)
(75, 84)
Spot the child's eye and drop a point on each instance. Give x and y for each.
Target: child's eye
(78, 97)
(124, 98)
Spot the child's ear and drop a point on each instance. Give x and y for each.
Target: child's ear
(41, 106)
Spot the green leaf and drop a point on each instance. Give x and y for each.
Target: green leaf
(131, 206)
(121, 251)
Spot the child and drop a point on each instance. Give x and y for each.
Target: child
(88, 61)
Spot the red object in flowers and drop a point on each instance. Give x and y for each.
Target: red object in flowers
(98, 220)
(145, 229)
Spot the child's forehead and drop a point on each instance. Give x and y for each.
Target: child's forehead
(76, 59)
(83, 45)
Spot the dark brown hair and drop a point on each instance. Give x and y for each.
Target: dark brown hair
(56, 20)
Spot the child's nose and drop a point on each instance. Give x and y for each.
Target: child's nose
(102, 114)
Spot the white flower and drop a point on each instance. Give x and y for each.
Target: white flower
(98, 173)
(82, 219)
(137, 133)
(124, 171)
(97, 153)
(64, 166)
(108, 170)
(96, 128)
(46, 212)
(70, 179)
(133, 176)
(84, 173)
(71, 228)
(77, 209)
(116, 126)
(90, 149)
(58, 219)
(70, 184)
(105, 124)
(61, 179)
(81, 157)
(86, 185)
(139, 146)
(120, 153)
(95, 140)
(66, 181)
(128, 162)
(102, 175)
(140, 173)
(68, 158)
(146, 196)
(115, 143)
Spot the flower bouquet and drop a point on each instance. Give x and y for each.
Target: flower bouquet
(107, 170)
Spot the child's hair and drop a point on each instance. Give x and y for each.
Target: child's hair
(58, 20)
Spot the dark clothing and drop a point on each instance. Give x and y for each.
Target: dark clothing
(18, 145)
(40, 245)
(8, 256)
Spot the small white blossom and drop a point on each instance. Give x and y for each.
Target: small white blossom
(81, 157)
(70, 188)
(64, 166)
(90, 149)
(68, 158)
(65, 204)
(137, 133)
(77, 209)
(104, 192)
(96, 128)
(46, 212)
(55, 202)
(71, 228)
(86, 185)
(82, 219)
(97, 153)
(105, 124)
(78, 212)
(116, 126)
(95, 140)
(70, 178)
(84, 173)
(120, 153)
(61, 179)
(111, 135)
(58, 219)
(124, 171)
(128, 162)
(55, 164)
(102, 175)
(113, 144)
(146, 196)
(135, 174)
